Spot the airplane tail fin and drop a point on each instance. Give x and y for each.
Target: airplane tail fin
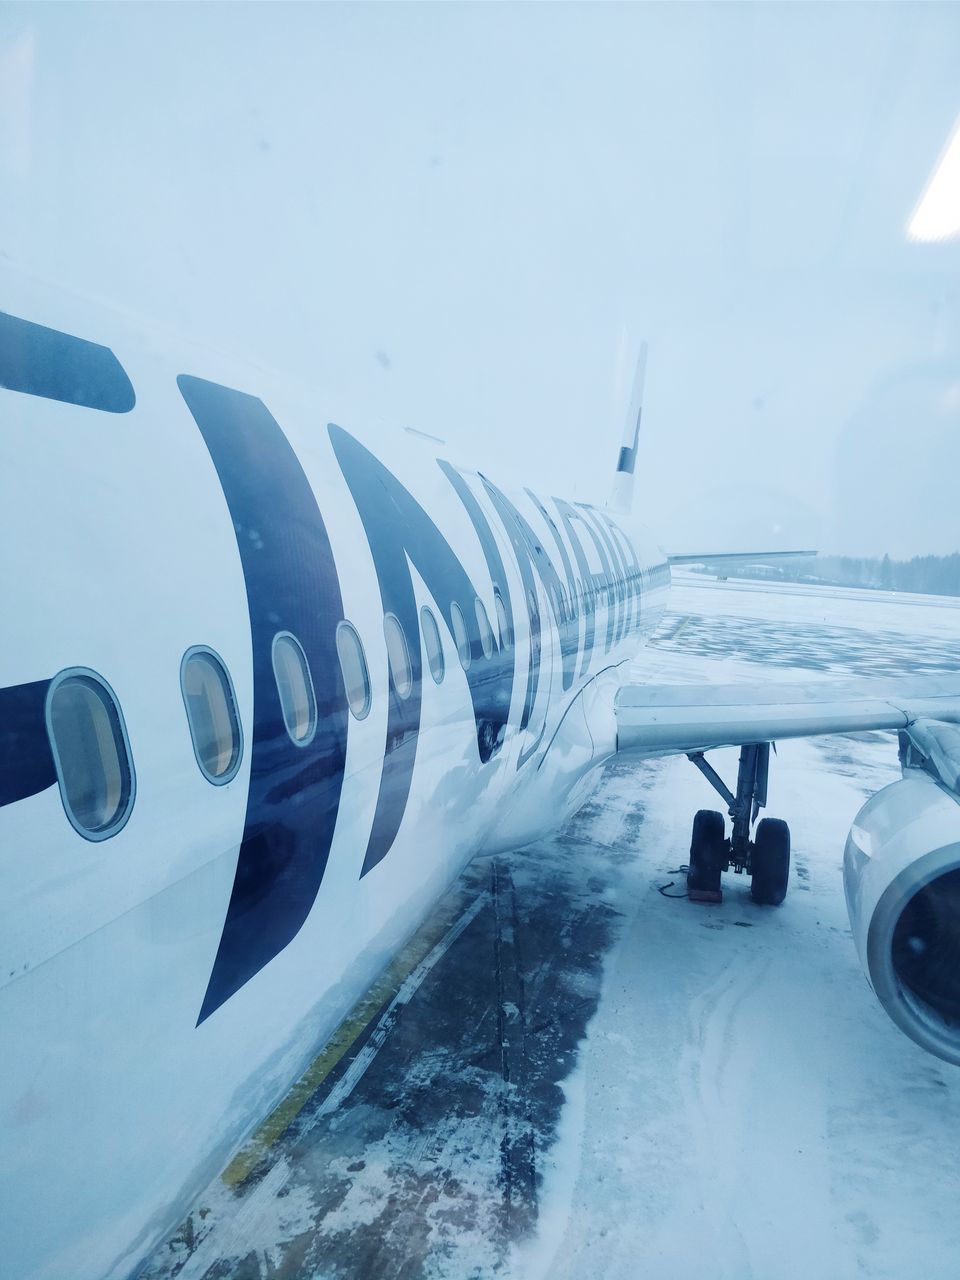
(621, 496)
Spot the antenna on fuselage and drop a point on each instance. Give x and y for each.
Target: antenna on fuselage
(621, 496)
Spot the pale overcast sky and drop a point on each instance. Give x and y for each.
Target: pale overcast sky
(466, 217)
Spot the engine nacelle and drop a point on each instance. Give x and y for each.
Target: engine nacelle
(901, 876)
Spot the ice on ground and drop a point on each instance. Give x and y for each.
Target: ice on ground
(750, 1111)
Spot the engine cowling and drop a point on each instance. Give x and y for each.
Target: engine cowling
(901, 877)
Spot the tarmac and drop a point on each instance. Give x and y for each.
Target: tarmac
(565, 1073)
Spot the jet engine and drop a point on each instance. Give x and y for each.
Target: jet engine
(901, 877)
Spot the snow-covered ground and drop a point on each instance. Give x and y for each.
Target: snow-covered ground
(593, 1079)
(742, 1106)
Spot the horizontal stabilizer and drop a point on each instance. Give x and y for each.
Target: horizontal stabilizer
(656, 720)
(737, 557)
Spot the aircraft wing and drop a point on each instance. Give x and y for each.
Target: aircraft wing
(664, 719)
(737, 557)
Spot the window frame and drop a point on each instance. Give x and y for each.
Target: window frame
(123, 815)
(503, 621)
(345, 625)
(426, 610)
(467, 646)
(218, 780)
(305, 741)
(488, 641)
(402, 694)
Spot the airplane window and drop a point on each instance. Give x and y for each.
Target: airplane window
(211, 714)
(353, 665)
(398, 656)
(486, 634)
(432, 644)
(460, 636)
(506, 635)
(295, 687)
(91, 754)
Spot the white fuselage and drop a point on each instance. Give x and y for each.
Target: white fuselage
(153, 1008)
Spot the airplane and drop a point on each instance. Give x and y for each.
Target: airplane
(268, 681)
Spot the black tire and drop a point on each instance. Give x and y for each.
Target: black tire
(770, 862)
(707, 853)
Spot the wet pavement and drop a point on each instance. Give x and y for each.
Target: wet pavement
(430, 1164)
(823, 647)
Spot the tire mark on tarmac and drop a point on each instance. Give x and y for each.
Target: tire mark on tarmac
(704, 1070)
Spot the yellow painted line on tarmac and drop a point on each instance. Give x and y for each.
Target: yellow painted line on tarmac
(345, 1036)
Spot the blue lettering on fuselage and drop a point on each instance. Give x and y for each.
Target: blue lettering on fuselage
(26, 759)
(401, 534)
(292, 585)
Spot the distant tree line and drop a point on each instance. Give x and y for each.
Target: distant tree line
(927, 575)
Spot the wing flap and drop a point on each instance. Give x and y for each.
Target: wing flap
(657, 720)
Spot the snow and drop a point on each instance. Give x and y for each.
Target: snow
(749, 1109)
(533, 1258)
(598, 1080)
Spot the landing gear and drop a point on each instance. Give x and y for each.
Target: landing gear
(766, 858)
(708, 856)
(770, 862)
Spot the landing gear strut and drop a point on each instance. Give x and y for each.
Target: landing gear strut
(766, 858)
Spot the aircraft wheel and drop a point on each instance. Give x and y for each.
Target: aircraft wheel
(707, 855)
(770, 862)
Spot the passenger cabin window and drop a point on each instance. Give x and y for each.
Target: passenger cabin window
(461, 639)
(398, 656)
(432, 643)
(486, 634)
(506, 635)
(91, 753)
(295, 687)
(211, 714)
(353, 665)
